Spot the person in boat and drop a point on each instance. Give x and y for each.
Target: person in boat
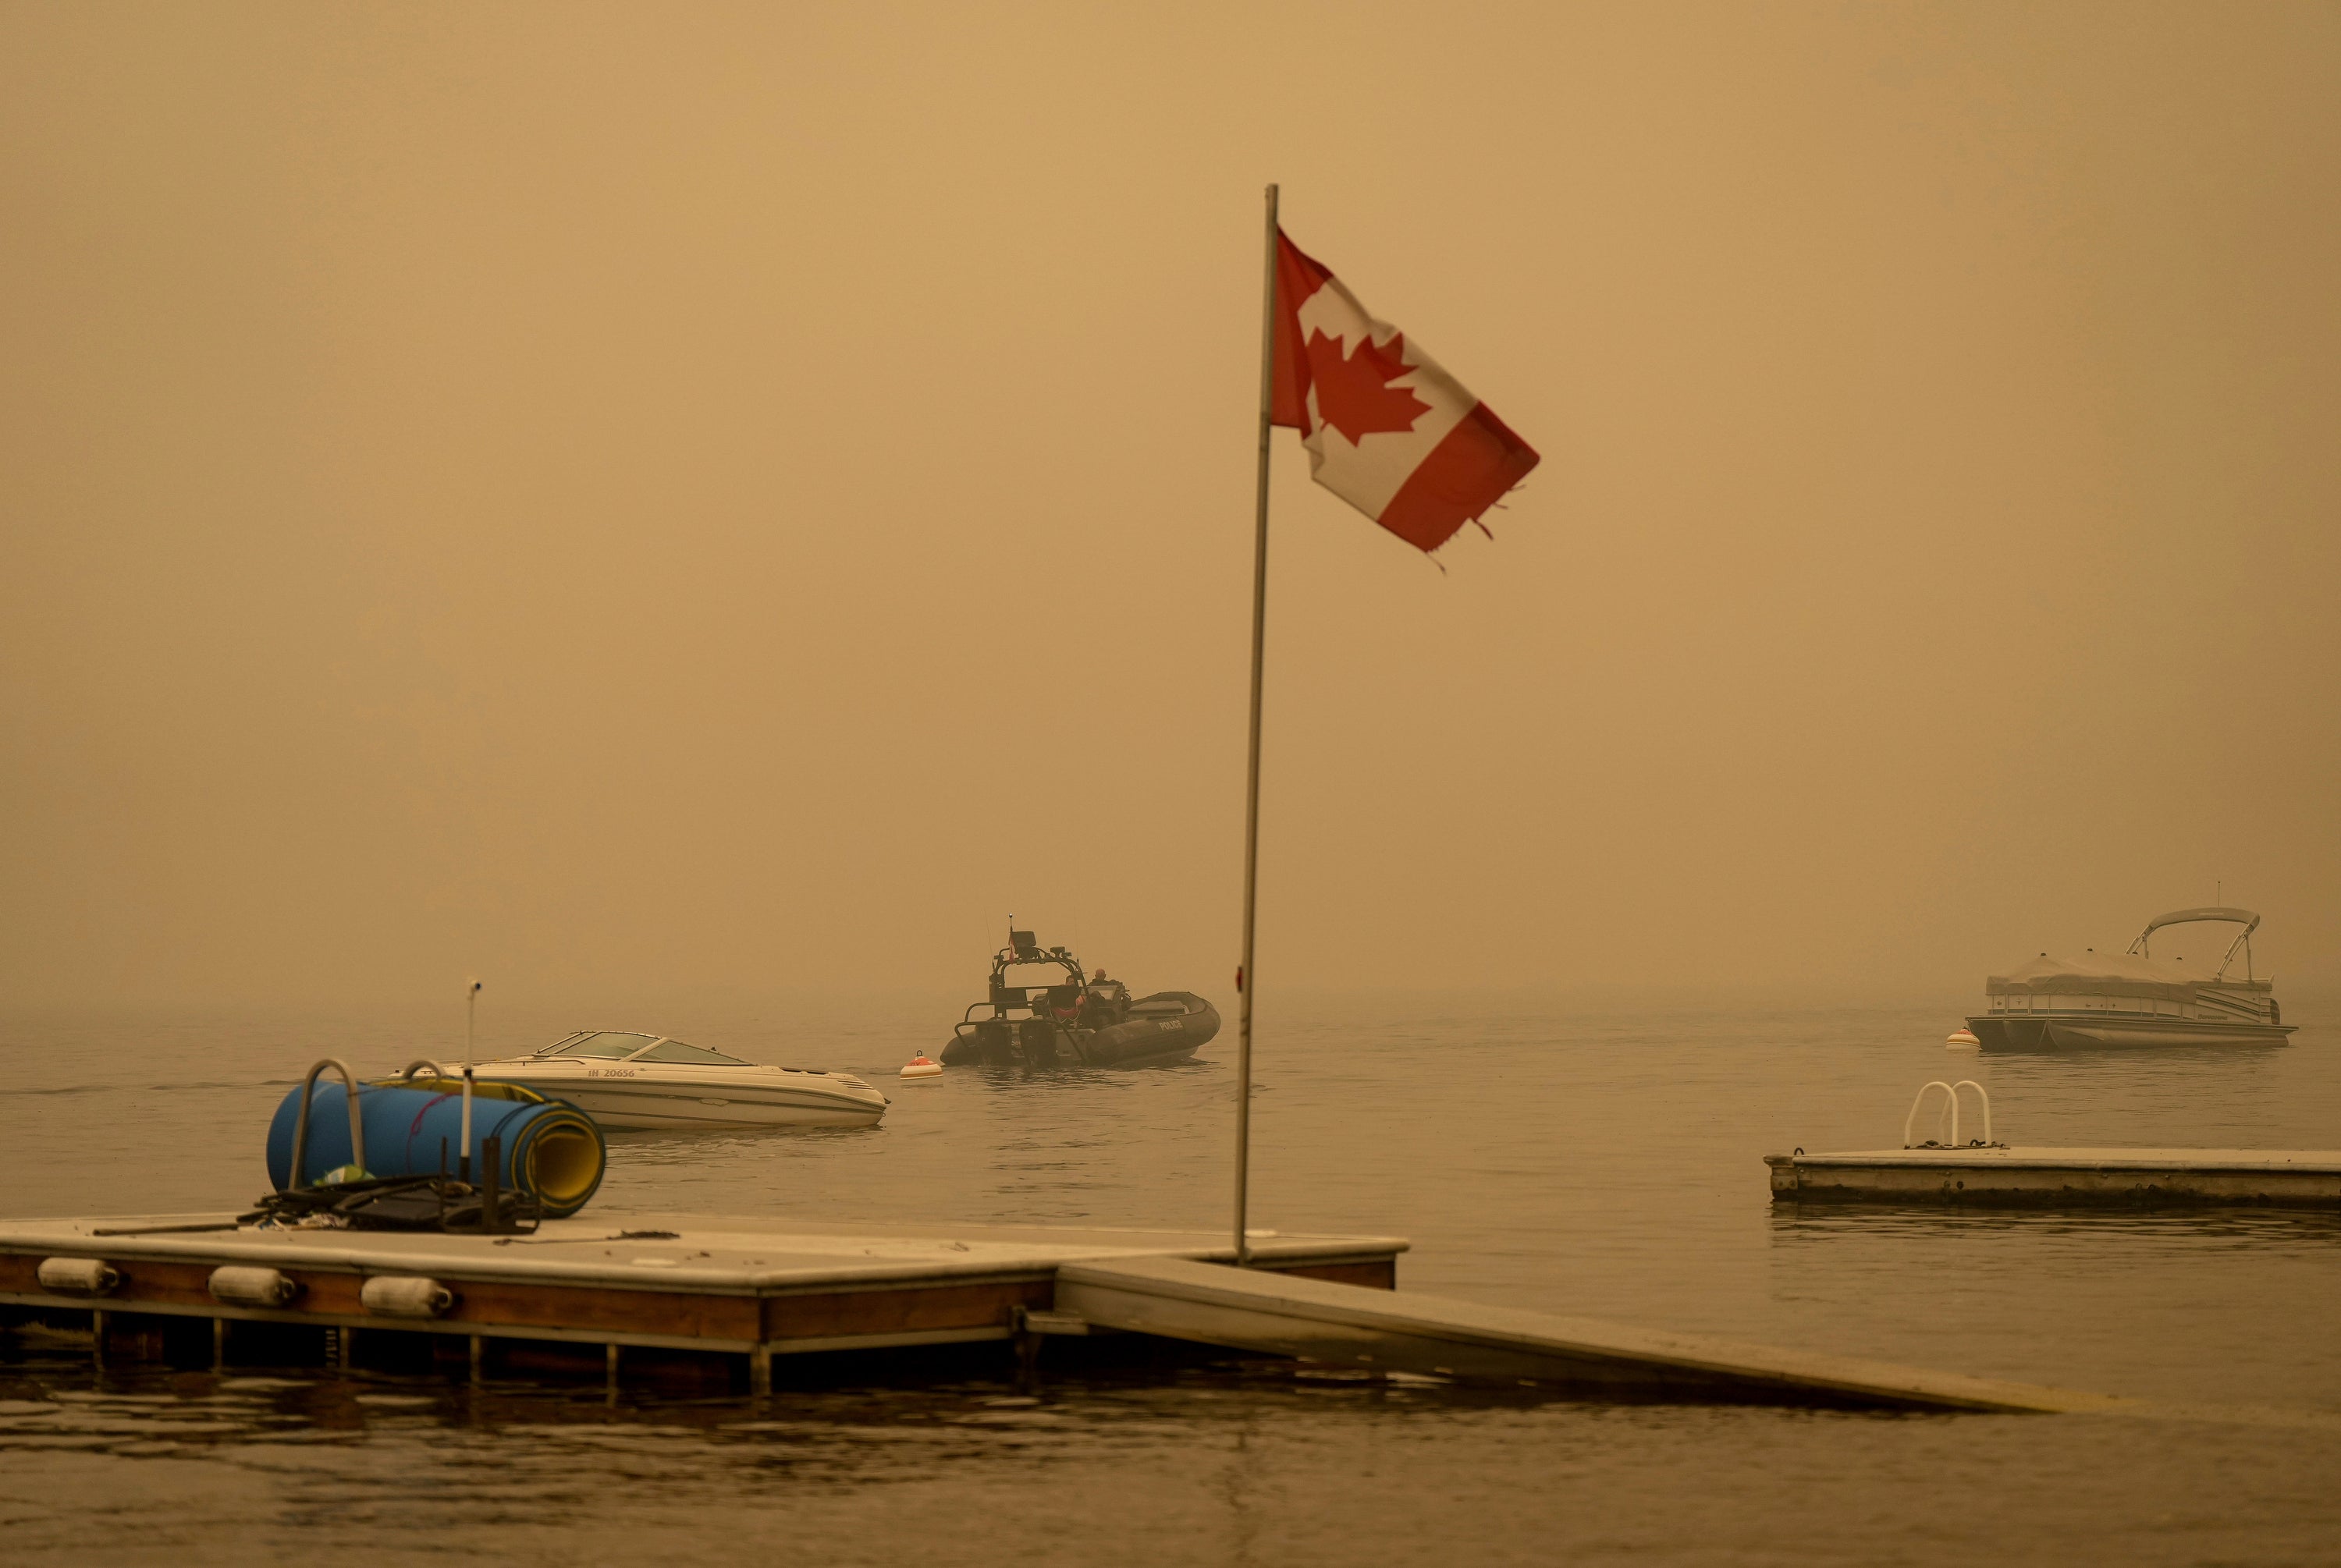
(1104, 1002)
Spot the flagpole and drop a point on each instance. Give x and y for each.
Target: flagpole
(1246, 981)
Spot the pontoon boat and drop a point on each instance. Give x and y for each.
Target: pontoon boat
(2135, 998)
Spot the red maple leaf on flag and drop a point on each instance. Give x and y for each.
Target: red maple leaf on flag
(1354, 394)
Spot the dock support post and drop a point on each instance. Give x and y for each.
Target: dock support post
(219, 1344)
(760, 1370)
(97, 1338)
(612, 1361)
(345, 1341)
(479, 1360)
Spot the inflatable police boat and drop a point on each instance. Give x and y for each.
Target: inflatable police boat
(1044, 1012)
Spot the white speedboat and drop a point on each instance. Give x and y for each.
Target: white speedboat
(632, 1080)
(2135, 998)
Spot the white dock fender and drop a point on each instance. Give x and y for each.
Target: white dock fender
(242, 1286)
(405, 1295)
(78, 1275)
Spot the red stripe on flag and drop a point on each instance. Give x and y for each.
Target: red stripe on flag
(1297, 278)
(1465, 475)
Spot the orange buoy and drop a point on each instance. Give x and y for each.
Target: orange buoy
(923, 1067)
(1962, 1040)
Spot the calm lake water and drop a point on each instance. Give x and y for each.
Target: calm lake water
(1580, 1159)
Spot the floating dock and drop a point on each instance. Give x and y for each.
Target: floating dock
(732, 1290)
(730, 1286)
(2057, 1178)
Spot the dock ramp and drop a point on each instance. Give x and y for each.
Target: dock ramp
(1402, 1331)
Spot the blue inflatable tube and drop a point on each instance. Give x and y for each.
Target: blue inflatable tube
(551, 1150)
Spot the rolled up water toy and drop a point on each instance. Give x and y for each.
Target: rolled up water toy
(550, 1150)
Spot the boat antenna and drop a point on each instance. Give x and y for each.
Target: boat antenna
(471, 1013)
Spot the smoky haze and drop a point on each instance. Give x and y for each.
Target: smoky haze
(622, 499)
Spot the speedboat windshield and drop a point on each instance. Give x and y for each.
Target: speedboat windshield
(608, 1044)
(675, 1051)
(626, 1046)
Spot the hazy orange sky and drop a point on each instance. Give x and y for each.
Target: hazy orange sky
(622, 499)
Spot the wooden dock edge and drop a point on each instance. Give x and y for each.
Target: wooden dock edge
(877, 1309)
(2062, 1182)
(1389, 1331)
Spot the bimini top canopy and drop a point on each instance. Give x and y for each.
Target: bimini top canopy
(2244, 917)
(2234, 916)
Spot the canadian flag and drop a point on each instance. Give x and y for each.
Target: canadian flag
(1388, 431)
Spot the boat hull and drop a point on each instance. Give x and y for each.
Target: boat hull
(1157, 1037)
(2059, 1031)
(1172, 1025)
(642, 1104)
